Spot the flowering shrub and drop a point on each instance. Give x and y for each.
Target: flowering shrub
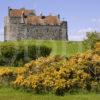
(59, 74)
(6, 75)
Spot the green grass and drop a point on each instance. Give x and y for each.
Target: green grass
(11, 94)
(64, 48)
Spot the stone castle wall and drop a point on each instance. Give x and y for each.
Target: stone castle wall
(14, 30)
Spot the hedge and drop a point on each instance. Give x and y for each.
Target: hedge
(12, 54)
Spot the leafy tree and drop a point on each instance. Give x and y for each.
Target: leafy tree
(92, 37)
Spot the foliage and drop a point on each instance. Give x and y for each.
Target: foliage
(58, 74)
(63, 48)
(91, 39)
(6, 76)
(61, 75)
(16, 55)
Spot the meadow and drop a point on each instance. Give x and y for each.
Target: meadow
(11, 94)
(63, 48)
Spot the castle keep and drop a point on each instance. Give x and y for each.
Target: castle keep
(25, 24)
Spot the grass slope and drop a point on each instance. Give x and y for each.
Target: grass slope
(11, 94)
(65, 48)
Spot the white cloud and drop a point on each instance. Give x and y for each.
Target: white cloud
(81, 34)
(76, 37)
(85, 30)
(96, 20)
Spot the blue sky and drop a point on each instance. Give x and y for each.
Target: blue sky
(82, 15)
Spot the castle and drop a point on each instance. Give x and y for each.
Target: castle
(25, 24)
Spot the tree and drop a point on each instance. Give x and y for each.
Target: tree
(92, 37)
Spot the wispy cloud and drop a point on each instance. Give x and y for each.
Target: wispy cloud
(76, 37)
(96, 20)
(85, 30)
(80, 34)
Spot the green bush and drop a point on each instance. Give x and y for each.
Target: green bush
(16, 54)
(92, 38)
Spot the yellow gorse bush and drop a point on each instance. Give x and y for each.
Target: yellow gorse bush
(5, 72)
(58, 74)
(19, 80)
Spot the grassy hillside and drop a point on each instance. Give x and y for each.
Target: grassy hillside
(64, 48)
(11, 94)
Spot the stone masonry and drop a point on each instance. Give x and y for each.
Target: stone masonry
(25, 24)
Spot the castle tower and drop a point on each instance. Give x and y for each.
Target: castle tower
(25, 24)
